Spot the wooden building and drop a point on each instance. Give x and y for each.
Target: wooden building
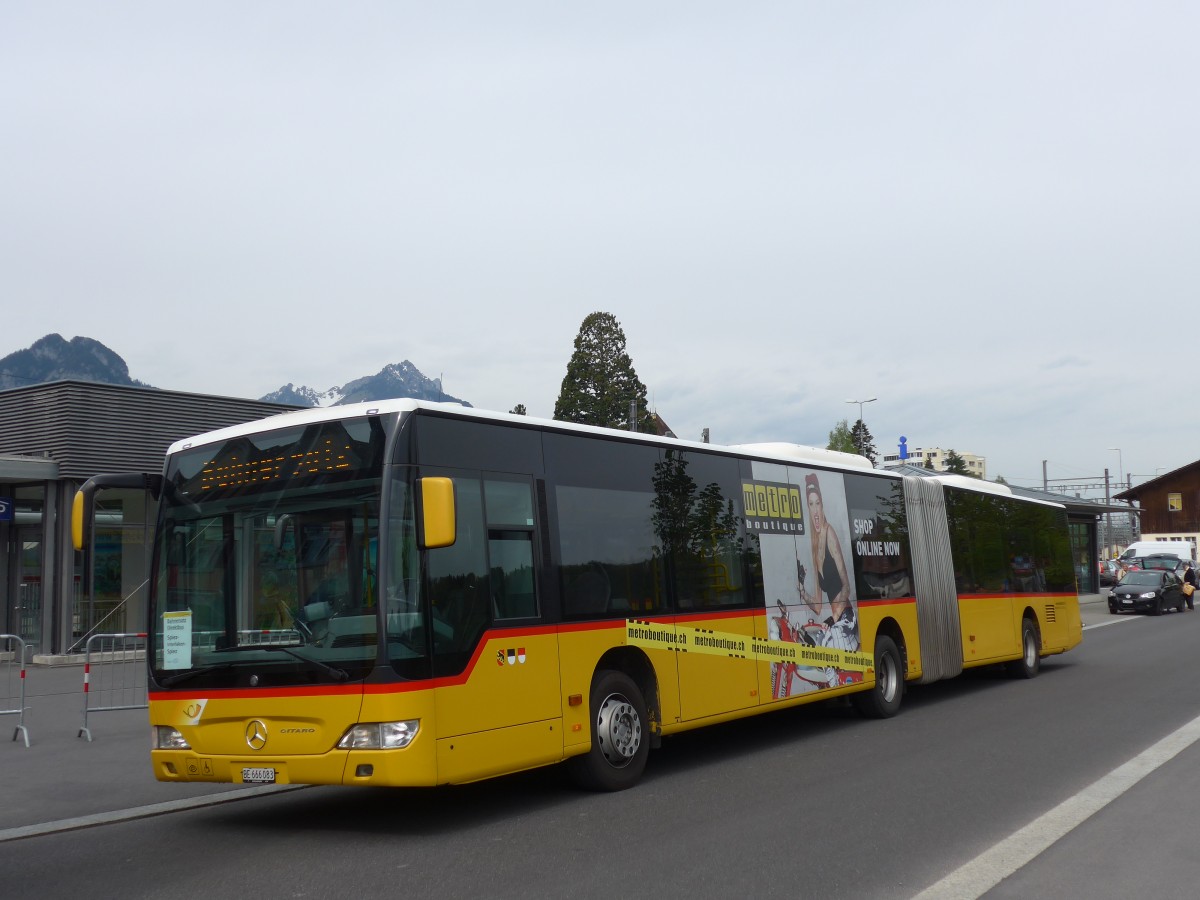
(1169, 505)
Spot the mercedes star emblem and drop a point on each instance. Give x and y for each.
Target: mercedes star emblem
(256, 734)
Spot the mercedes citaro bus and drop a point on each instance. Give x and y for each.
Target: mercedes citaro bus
(413, 593)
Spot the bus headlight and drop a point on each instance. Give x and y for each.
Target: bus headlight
(380, 735)
(168, 738)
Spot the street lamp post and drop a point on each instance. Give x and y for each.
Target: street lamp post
(1120, 466)
(1120, 481)
(860, 405)
(860, 417)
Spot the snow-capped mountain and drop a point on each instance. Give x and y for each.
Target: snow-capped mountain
(304, 396)
(397, 380)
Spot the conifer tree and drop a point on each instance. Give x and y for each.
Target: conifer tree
(955, 463)
(601, 382)
(864, 444)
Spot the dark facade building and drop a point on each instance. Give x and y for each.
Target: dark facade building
(55, 436)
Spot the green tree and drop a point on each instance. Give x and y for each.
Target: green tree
(518, 410)
(955, 463)
(864, 444)
(929, 463)
(600, 382)
(841, 438)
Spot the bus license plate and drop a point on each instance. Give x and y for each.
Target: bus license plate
(258, 775)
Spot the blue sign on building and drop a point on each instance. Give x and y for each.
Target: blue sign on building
(6, 509)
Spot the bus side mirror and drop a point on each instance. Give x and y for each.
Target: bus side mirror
(83, 506)
(281, 529)
(438, 526)
(81, 514)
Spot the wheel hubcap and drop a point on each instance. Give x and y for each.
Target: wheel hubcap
(887, 678)
(619, 730)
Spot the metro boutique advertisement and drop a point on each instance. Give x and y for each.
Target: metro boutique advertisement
(810, 537)
(810, 534)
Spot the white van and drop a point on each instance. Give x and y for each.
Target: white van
(1182, 549)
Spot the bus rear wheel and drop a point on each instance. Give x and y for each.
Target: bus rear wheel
(1030, 662)
(883, 700)
(620, 743)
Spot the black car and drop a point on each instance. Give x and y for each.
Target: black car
(1147, 590)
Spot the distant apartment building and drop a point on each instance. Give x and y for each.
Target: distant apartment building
(936, 457)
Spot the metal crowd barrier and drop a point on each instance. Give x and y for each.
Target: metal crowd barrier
(12, 696)
(114, 675)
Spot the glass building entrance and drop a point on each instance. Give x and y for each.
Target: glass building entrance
(21, 547)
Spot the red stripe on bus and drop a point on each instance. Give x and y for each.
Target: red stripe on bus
(314, 690)
(1001, 596)
(891, 601)
(716, 614)
(570, 627)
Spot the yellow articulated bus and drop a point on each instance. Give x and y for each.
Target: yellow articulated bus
(412, 593)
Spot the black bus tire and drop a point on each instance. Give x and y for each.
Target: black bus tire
(883, 700)
(620, 736)
(1030, 662)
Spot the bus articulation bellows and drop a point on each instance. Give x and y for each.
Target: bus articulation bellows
(413, 593)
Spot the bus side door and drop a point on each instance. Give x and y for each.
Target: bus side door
(498, 704)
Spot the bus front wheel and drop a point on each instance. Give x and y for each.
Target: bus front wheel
(883, 700)
(620, 742)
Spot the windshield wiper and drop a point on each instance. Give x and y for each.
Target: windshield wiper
(192, 673)
(333, 671)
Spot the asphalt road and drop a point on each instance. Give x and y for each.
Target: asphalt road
(805, 803)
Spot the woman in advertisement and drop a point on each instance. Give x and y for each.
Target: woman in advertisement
(833, 583)
(808, 575)
(829, 565)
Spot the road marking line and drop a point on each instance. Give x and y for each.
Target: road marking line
(1119, 621)
(988, 869)
(141, 812)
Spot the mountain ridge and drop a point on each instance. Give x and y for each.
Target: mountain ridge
(53, 358)
(401, 379)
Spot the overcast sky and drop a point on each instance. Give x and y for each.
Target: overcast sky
(986, 215)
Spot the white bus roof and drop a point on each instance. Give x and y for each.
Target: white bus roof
(780, 451)
(818, 455)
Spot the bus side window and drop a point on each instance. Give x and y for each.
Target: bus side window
(510, 547)
(609, 555)
(511, 554)
(458, 580)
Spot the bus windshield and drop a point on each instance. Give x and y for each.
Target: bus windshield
(267, 558)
